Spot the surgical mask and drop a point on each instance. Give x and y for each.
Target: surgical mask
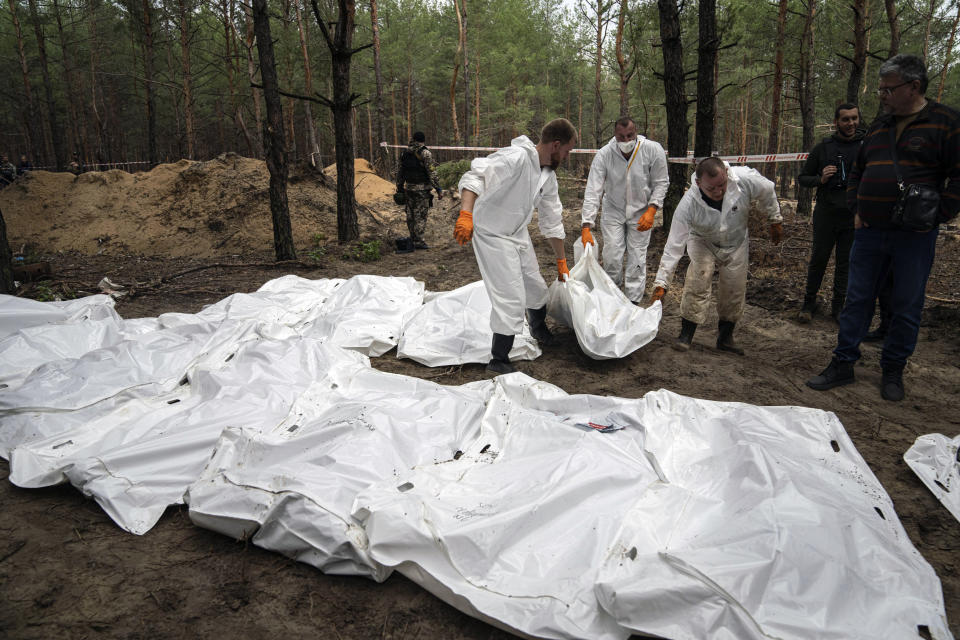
(627, 147)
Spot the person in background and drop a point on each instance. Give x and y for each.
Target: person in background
(416, 175)
(915, 141)
(25, 166)
(8, 172)
(711, 222)
(827, 168)
(630, 172)
(498, 196)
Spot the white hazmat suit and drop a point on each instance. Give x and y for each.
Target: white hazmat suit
(510, 184)
(716, 239)
(629, 186)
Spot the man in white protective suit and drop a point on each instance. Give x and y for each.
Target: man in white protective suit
(711, 221)
(498, 196)
(630, 172)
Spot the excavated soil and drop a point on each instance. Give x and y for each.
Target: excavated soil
(188, 234)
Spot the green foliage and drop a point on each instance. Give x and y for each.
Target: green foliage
(364, 251)
(449, 173)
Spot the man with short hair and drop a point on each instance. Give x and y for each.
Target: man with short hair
(828, 168)
(915, 142)
(630, 172)
(498, 196)
(416, 175)
(711, 222)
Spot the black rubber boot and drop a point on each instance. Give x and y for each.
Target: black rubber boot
(687, 329)
(538, 327)
(837, 373)
(805, 315)
(500, 350)
(725, 338)
(891, 385)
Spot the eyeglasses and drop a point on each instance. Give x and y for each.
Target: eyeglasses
(886, 91)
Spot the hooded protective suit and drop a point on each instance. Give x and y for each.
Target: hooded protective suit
(629, 186)
(510, 184)
(716, 238)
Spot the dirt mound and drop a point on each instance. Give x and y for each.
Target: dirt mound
(195, 209)
(370, 188)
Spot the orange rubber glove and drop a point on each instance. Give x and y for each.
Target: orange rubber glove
(658, 293)
(586, 237)
(776, 232)
(463, 230)
(562, 269)
(645, 223)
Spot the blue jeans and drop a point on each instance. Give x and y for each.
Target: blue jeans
(907, 257)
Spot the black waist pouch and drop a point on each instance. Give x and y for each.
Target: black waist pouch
(917, 208)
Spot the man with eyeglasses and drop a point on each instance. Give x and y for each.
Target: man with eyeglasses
(711, 223)
(926, 135)
(828, 168)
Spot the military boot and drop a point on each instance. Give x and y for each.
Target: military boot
(891, 383)
(538, 327)
(500, 350)
(805, 315)
(687, 329)
(725, 338)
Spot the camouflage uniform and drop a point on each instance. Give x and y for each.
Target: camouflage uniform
(416, 175)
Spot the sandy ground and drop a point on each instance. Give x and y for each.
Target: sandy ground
(67, 571)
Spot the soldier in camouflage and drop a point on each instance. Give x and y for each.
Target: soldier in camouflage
(416, 175)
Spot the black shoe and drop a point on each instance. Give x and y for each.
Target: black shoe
(725, 340)
(837, 373)
(877, 335)
(806, 312)
(500, 367)
(500, 352)
(687, 329)
(891, 385)
(420, 245)
(538, 327)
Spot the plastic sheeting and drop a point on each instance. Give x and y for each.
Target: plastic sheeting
(935, 458)
(291, 488)
(453, 328)
(550, 515)
(606, 323)
(684, 519)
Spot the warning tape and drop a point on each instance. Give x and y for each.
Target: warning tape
(689, 159)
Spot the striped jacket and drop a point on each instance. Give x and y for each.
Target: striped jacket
(928, 151)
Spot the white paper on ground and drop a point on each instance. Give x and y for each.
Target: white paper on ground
(606, 323)
(291, 488)
(935, 458)
(453, 327)
(696, 520)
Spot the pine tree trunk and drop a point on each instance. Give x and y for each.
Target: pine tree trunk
(252, 73)
(34, 139)
(859, 61)
(706, 93)
(624, 74)
(948, 54)
(56, 137)
(676, 104)
(806, 91)
(6, 261)
(894, 21)
(456, 71)
(773, 141)
(183, 15)
(273, 136)
(382, 162)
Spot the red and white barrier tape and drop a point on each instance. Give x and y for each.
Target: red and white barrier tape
(689, 159)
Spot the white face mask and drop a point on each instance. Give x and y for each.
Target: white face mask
(627, 147)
